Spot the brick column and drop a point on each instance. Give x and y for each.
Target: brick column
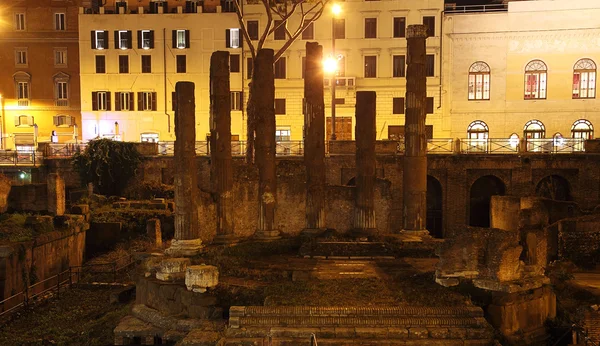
(365, 133)
(56, 194)
(263, 94)
(186, 241)
(415, 154)
(220, 133)
(314, 139)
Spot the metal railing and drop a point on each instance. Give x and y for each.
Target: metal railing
(20, 158)
(63, 149)
(32, 293)
(440, 146)
(290, 148)
(555, 145)
(489, 146)
(452, 8)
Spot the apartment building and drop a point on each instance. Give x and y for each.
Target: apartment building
(39, 78)
(527, 70)
(133, 53)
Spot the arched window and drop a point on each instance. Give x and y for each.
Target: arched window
(479, 81)
(478, 130)
(535, 80)
(582, 129)
(534, 129)
(584, 79)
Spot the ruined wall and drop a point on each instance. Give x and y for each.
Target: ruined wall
(579, 240)
(520, 174)
(46, 256)
(30, 198)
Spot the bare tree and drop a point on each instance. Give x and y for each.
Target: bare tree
(308, 12)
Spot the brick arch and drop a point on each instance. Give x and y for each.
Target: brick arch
(480, 193)
(554, 186)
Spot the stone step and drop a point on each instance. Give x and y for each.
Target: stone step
(348, 311)
(352, 341)
(345, 250)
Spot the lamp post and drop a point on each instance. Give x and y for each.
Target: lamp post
(336, 9)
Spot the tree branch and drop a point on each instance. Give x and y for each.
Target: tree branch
(240, 17)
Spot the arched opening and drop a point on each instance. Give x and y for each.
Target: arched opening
(584, 79)
(535, 80)
(582, 129)
(477, 133)
(533, 131)
(479, 81)
(554, 187)
(434, 207)
(481, 194)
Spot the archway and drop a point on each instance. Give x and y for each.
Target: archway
(434, 207)
(481, 194)
(554, 187)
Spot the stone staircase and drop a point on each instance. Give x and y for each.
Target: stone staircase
(399, 325)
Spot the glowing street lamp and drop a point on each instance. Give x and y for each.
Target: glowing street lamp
(336, 9)
(330, 65)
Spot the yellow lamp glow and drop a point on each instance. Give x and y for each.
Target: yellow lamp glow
(330, 65)
(336, 9)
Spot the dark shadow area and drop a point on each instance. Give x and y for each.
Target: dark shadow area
(481, 194)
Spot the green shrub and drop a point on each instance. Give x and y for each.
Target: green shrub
(107, 164)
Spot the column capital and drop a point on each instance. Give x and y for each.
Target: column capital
(416, 31)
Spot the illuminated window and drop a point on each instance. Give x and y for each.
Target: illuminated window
(145, 39)
(24, 121)
(149, 137)
(123, 39)
(283, 134)
(479, 81)
(513, 140)
(181, 39)
(100, 100)
(534, 129)
(236, 101)
(124, 101)
(147, 101)
(232, 38)
(99, 39)
(584, 79)
(535, 80)
(477, 130)
(582, 129)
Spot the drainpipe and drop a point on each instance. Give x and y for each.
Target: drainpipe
(243, 62)
(165, 78)
(441, 55)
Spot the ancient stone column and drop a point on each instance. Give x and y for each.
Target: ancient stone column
(365, 133)
(186, 241)
(314, 139)
(415, 154)
(220, 133)
(263, 93)
(56, 194)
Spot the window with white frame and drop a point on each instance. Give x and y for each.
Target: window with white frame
(283, 134)
(181, 39)
(123, 39)
(21, 57)
(99, 39)
(584, 79)
(61, 89)
(60, 21)
(146, 39)
(535, 80)
(125, 101)
(62, 93)
(534, 129)
(236, 100)
(100, 100)
(23, 90)
(149, 137)
(479, 81)
(60, 57)
(232, 38)
(146, 101)
(19, 21)
(64, 121)
(582, 129)
(24, 120)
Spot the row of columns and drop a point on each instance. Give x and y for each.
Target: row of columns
(187, 234)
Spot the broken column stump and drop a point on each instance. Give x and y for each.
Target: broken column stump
(220, 113)
(198, 278)
(365, 132)
(186, 241)
(414, 180)
(154, 231)
(314, 140)
(56, 194)
(263, 91)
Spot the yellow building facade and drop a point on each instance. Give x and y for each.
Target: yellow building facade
(372, 51)
(39, 75)
(527, 71)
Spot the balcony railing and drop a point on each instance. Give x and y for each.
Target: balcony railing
(61, 103)
(489, 146)
(20, 158)
(453, 8)
(23, 102)
(440, 146)
(555, 145)
(62, 149)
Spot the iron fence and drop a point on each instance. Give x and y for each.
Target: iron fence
(440, 145)
(555, 145)
(63, 149)
(20, 158)
(452, 8)
(489, 146)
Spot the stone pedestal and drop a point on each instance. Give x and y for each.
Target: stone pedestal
(314, 140)
(172, 269)
(200, 277)
(415, 155)
(154, 232)
(263, 87)
(184, 248)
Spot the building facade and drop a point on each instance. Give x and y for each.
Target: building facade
(132, 54)
(527, 71)
(39, 78)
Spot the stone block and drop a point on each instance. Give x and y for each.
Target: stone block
(345, 332)
(154, 232)
(199, 337)
(200, 277)
(371, 333)
(5, 187)
(172, 269)
(418, 333)
(80, 209)
(439, 333)
(503, 210)
(397, 333)
(457, 333)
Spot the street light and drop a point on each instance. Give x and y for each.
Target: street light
(336, 9)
